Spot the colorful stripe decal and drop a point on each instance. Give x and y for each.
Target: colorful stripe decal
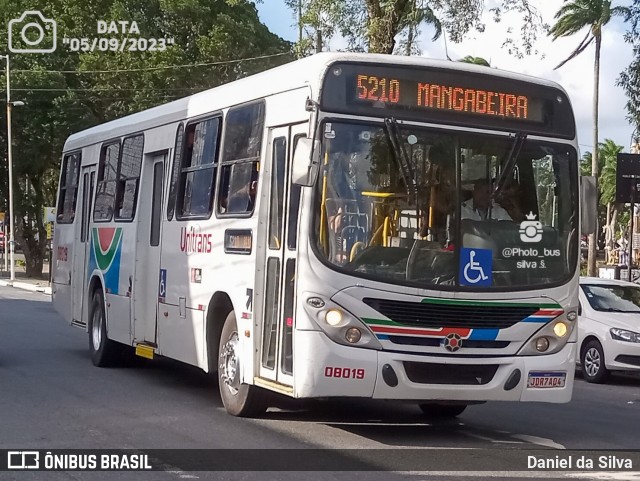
(105, 254)
(452, 302)
(417, 331)
(543, 315)
(383, 328)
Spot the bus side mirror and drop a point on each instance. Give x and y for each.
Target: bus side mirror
(588, 204)
(305, 162)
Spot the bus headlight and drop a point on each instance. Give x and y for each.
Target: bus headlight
(333, 317)
(548, 340)
(339, 324)
(560, 329)
(353, 335)
(542, 344)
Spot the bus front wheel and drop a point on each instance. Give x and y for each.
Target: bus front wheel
(436, 410)
(238, 399)
(103, 350)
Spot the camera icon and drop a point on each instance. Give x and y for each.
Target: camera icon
(36, 34)
(530, 229)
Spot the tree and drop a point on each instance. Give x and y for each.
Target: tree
(376, 25)
(607, 163)
(571, 18)
(67, 91)
(630, 78)
(475, 60)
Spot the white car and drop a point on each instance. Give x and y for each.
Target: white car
(608, 327)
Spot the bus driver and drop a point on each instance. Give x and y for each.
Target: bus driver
(480, 206)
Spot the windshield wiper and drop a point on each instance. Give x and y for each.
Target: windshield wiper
(518, 142)
(401, 157)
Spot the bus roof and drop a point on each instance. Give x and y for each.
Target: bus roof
(297, 74)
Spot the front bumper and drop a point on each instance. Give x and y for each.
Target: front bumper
(621, 355)
(324, 369)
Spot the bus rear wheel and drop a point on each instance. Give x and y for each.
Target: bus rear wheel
(444, 411)
(103, 350)
(238, 399)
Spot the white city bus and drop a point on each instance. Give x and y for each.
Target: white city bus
(344, 225)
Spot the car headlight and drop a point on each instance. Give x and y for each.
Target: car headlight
(624, 335)
(339, 324)
(550, 339)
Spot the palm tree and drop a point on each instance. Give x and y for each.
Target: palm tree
(571, 18)
(609, 154)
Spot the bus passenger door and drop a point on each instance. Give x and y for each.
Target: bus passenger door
(278, 299)
(147, 268)
(79, 284)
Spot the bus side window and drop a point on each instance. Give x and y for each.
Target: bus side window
(173, 188)
(279, 165)
(128, 177)
(241, 159)
(106, 185)
(68, 188)
(198, 169)
(294, 206)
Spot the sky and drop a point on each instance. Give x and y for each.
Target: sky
(576, 76)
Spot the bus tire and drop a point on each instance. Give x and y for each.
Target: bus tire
(444, 411)
(103, 350)
(592, 362)
(239, 399)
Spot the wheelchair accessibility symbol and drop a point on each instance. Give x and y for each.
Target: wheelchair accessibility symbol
(475, 267)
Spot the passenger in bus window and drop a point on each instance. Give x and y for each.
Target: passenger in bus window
(511, 200)
(243, 198)
(481, 206)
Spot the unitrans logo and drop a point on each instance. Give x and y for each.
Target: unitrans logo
(32, 33)
(192, 241)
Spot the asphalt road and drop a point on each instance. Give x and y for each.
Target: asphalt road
(51, 397)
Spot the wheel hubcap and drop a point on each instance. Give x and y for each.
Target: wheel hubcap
(96, 329)
(592, 361)
(229, 366)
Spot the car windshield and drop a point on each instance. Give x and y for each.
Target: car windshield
(613, 298)
(427, 207)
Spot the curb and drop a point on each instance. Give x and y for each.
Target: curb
(26, 286)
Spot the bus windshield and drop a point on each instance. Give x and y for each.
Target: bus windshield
(423, 208)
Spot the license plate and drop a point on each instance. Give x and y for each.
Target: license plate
(540, 380)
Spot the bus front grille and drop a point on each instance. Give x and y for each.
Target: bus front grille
(437, 342)
(464, 374)
(437, 315)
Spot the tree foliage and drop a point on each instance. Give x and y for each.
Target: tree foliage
(574, 16)
(391, 26)
(629, 80)
(607, 165)
(475, 61)
(67, 91)
(571, 18)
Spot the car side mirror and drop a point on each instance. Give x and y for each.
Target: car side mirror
(305, 162)
(588, 204)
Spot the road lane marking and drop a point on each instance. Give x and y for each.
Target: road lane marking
(625, 476)
(595, 476)
(548, 443)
